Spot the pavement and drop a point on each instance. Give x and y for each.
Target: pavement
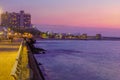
(8, 54)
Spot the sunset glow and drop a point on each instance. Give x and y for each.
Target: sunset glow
(104, 17)
(1, 10)
(104, 13)
(81, 13)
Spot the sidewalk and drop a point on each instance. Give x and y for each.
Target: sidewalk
(8, 54)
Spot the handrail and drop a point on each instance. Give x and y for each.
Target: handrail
(16, 71)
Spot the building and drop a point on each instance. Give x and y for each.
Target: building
(16, 19)
(84, 36)
(98, 36)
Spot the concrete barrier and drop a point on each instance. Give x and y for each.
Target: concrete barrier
(16, 71)
(35, 71)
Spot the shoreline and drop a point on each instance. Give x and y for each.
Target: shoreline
(82, 39)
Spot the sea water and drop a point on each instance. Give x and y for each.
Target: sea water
(80, 60)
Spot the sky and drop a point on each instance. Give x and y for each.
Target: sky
(94, 14)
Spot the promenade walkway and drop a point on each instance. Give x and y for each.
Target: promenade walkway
(8, 54)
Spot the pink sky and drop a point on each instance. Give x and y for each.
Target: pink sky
(100, 17)
(95, 13)
(104, 14)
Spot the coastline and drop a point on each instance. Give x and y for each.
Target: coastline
(81, 39)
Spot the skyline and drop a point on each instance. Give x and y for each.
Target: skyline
(78, 13)
(110, 32)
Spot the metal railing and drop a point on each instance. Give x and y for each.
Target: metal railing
(17, 68)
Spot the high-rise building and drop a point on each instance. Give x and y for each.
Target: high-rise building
(16, 19)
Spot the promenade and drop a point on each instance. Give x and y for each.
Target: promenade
(8, 54)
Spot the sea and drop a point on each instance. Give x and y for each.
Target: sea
(79, 59)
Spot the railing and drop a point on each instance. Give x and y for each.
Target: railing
(17, 68)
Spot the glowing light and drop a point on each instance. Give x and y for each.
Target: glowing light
(1, 11)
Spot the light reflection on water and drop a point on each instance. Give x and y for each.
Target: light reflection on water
(80, 60)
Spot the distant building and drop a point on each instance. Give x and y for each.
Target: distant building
(98, 36)
(16, 19)
(43, 35)
(84, 36)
